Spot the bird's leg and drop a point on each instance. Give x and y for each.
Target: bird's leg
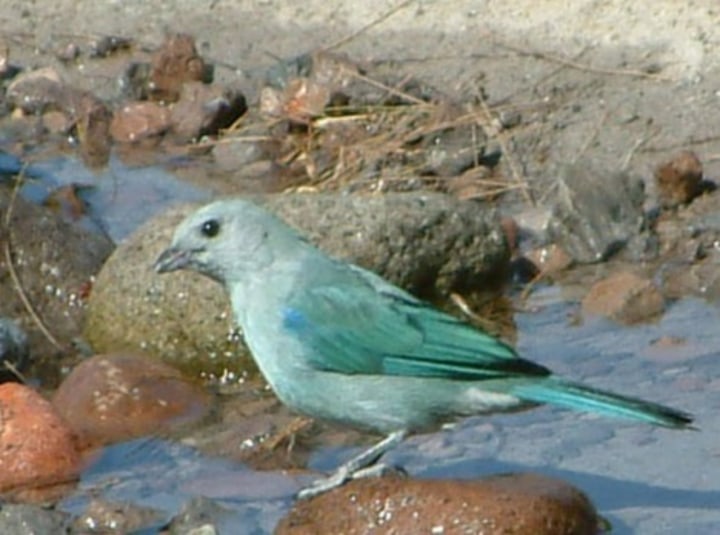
(357, 467)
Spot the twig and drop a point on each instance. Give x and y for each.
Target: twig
(581, 66)
(593, 136)
(380, 19)
(460, 302)
(637, 146)
(11, 267)
(536, 83)
(13, 369)
(502, 141)
(389, 89)
(530, 286)
(288, 432)
(689, 143)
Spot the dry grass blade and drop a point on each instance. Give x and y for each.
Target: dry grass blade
(501, 138)
(391, 90)
(13, 369)
(287, 434)
(382, 18)
(566, 62)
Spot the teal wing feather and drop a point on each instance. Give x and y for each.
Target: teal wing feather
(356, 323)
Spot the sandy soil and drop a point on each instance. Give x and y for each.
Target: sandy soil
(614, 82)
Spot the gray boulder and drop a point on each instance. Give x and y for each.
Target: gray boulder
(595, 213)
(430, 244)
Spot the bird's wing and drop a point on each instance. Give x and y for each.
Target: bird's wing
(359, 323)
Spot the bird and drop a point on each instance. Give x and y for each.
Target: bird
(339, 343)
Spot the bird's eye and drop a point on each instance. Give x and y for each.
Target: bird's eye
(210, 228)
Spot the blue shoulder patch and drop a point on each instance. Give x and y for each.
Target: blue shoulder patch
(293, 319)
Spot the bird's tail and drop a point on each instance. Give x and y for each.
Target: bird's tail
(579, 397)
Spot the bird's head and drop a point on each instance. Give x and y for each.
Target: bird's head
(225, 241)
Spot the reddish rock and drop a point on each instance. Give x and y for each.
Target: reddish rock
(303, 98)
(679, 179)
(139, 120)
(173, 64)
(300, 101)
(513, 504)
(624, 297)
(38, 456)
(205, 110)
(114, 397)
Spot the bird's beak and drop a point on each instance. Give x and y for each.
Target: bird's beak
(173, 259)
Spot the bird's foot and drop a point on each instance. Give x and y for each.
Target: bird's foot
(342, 476)
(379, 470)
(320, 486)
(360, 466)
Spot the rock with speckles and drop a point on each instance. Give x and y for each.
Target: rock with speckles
(512, 504)
(185, 319)
(430, 244)
(121, 396)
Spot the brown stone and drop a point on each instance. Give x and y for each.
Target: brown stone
(36, 91)
(701, 279)
(38, 455)
(513, 504)
(92, 120)
(679, 179)
(54, 261)
(624, 297)
(173, 64)
(512, 232)
(550, 259)
(300, 101)
(114, 397)
(204, 110)
(139, 120)
(57, 122)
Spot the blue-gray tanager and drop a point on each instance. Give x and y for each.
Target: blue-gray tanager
(339, 343)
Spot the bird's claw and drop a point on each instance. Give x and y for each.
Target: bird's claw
(320, 486)
(362, 465)
(342, 476)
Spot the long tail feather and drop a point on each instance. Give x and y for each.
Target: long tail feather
(579, 397)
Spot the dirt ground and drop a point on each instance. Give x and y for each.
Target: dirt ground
(611, 82)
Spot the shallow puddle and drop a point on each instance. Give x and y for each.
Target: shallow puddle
(642, 479)
(118, 198)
